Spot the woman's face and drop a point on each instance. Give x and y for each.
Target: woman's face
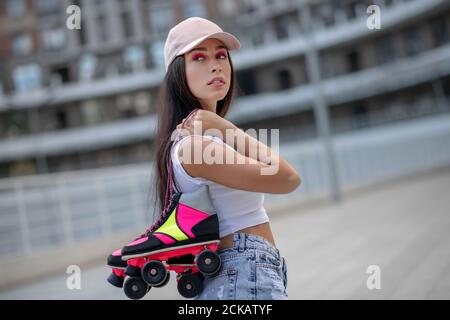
(208, 60)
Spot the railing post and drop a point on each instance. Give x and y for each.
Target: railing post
(65, 210)
(24, 228)
(105, 219)
(320, 105)
(137, 210)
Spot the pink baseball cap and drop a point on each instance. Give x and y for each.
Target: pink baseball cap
(190, 32)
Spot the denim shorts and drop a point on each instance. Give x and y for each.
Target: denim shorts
(251, 270)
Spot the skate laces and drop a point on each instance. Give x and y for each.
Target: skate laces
(169, 189)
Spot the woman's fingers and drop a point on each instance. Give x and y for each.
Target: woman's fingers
(184, 129)
(188, 122)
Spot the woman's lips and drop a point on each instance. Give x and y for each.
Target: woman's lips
(216, 84)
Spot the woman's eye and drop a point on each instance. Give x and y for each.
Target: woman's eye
(221, 55)
(197, 57)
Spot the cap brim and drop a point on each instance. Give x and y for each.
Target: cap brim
(230, 41)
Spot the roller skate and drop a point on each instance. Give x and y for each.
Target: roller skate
(190, 280)
(118, 266)
(136, 288)
(120, 269)
(190, 226)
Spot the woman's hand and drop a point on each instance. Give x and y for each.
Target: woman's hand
(203, 120)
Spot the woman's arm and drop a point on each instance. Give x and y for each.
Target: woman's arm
(232, 135)
(264, 171)
(248, 146)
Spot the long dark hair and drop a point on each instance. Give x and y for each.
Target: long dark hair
(175, 102)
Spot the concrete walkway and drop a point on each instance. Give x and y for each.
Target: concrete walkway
(402, 227)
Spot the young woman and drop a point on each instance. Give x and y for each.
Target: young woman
(199, 74)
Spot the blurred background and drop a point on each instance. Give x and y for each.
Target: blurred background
(363, 115)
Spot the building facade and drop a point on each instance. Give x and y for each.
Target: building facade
(78, 99)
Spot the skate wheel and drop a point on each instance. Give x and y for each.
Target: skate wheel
(135, 288)
(133, 271)
(190, 285)
(208, 262)
(115, 280)
(201, 276)
(154, 273)
(166, 281)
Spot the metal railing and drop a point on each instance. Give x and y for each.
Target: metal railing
(55, 210)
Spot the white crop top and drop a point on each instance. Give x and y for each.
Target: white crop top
(236, 209)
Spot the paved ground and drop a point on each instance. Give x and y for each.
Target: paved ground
(402, 227)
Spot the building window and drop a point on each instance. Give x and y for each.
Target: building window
(257, 35)
(353, 61)
(22, 167)
(359, 114)
(142, 102)
(127, 24)
(13, 123)
(247, 82)
(92, 112)
(440, 31)
(45, 6)
(413, 42)
(22, 44)
(82, 33)
(351, 11)
(125, 106)
(27, 77)
(285, 79)
(99, 3)
(194, 8)
(227, 8)
(102, 28)
(281, 27)
(111, 69)
(134, 58)
(328, 65)
(61, 119)
(53, 39)
(250, 6)
(87, 67)
(123, 3)
(325, 14)
(385, 49)
(59, 75)
(388, 3)
(161, 19)
(157, 52)
(15, 8)
(145, 15)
